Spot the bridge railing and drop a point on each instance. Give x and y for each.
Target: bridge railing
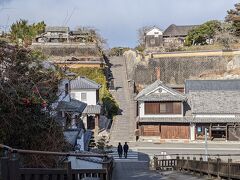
(11, 168)
(210, 167)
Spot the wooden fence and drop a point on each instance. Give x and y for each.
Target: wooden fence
(211, 167)
(11, 170)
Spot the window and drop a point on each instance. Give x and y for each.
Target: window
(163, 108)
(83, 96)
(151, 108)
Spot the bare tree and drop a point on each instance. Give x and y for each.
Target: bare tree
(225, 36)
(141, 33)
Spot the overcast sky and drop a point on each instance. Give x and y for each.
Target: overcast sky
(116, 20)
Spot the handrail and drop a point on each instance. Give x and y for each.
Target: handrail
(197, 155)
(23, 151)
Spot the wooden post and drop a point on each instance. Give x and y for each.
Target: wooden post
(194, 168)
(188, 158)
(210, 131)
(107, 167)
(13, 167)
(218, 167)
(209, 173)
(182, 164)
(67, 166)
(178, 163)
(4, 168)
(226, 132)
(155, 162)
(96, 124)
(200, 164)
(229, 168)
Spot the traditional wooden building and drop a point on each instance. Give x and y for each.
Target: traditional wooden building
(153, 38)
(215, 106)
(160, 111)
(87, 91)
(165, 113)
(79, 105)
(176, 34)
(54, 34)
(82, 35)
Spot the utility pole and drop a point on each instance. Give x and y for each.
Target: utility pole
(206, 144)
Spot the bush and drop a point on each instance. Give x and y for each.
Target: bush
(27, 91)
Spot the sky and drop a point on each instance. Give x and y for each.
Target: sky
(116, 20)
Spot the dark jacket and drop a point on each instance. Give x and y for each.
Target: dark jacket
(125, 148)
(120, 149)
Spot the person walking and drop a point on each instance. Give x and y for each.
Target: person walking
(120, 150)
(125, 149)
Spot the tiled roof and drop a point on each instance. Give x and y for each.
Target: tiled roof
(83, 83)
(212, 85)
(151, 28)
(215, 102)
(171, 95)
(161, 97)
(174, 30)
(71, 135)
(188, 119)
(56, 29)
(166, 119)
(72, 106)
(92, 109)
(215, 120)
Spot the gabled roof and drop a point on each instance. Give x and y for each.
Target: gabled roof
(71, 135)
(83, 83)
(215, 102)
(174, 30)
(212, 85)
(171, 95)
(150, 29)
(92, 109)
(72, 106)
(56, 29)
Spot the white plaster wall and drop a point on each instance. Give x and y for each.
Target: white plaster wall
(153, 31)
(81, 164)
(80, 142)
(91, 96)
(192, 132)
(143, 115)
(215, 116)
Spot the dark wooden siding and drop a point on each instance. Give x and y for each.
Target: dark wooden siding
(150, 130)
(152, 41)
(152, 108)
(162, 107)
(166, 131)
(175, 131)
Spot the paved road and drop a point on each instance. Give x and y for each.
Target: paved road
(124, 124)
(140, 171)
(152, 149)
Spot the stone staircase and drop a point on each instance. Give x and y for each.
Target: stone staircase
(124, 124)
